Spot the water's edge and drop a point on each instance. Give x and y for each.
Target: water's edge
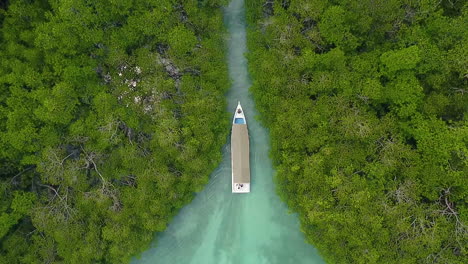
(221, 227)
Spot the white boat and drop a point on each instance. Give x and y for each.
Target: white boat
(240, 153)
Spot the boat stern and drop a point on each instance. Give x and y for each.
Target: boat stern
(241, 188)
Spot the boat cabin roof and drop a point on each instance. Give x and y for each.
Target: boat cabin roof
(240, 154)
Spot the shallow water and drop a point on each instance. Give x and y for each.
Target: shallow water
(220, 227)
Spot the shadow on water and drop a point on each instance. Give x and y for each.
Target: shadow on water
(220, 227)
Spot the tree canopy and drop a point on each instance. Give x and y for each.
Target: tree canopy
(367, 104)
(112, 114)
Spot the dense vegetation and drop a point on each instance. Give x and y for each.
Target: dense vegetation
(367, 105)
(112, 115)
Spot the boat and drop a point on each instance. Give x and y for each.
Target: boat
(240, 152)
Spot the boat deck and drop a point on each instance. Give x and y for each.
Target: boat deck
(240, 159)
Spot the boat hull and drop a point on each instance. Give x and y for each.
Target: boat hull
(240, 158)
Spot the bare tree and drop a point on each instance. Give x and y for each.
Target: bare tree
(449, 210)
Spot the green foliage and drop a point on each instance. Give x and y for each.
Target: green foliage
(20, 206)
(367, 105)
(181, 40)
(335, 29)
(112, 115)
(404, 59)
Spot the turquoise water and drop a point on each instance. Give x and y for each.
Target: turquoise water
(220, 227)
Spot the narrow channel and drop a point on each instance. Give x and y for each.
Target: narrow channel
(221, 227)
